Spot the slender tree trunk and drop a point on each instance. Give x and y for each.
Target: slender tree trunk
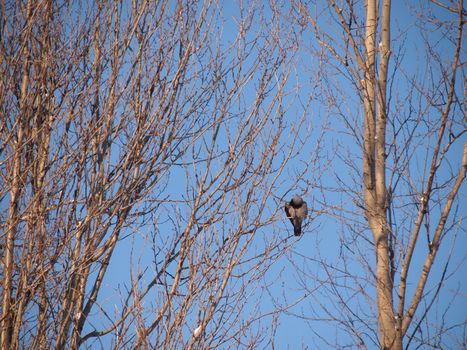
(374, 166)
(15, 190)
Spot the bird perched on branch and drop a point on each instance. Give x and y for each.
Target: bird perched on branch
(296, 211)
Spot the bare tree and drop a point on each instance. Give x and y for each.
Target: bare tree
(135, 132)
(408, 174)
(145, 153)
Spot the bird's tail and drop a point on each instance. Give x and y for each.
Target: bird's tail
(297, 230)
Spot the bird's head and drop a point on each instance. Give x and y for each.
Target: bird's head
(297, 200)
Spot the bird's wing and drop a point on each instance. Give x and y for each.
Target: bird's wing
(289, 211)
(303, 211)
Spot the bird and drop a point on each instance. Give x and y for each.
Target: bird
(296, 211)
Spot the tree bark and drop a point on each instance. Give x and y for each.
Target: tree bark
(374, 165)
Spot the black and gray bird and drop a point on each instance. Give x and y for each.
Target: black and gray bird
(296, 211)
